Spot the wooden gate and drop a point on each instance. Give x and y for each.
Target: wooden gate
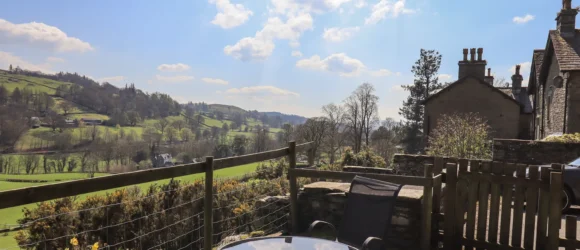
(493, 205)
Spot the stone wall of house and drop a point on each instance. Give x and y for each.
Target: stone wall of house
(555, 110)
(412, 165)
(499, 110)
(326, 201)
(573, 116)
(534, 152)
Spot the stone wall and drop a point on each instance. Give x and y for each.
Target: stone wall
(368, 170)
(411, 165)
(534, 152)
(326, 201)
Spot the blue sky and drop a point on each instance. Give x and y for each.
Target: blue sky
(291, 56)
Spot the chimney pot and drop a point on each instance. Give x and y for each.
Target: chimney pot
(465, 51)
(472, 54)
(488, 71)
(479, 54)
(518, 69)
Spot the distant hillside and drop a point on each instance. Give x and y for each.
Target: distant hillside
(293, 119)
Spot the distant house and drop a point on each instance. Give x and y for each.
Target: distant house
(163, 160)
(34, 122)
(91, 121)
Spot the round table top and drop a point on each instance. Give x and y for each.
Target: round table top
(287, 243)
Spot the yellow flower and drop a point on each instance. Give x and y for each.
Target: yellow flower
(74, 241)
(96, 246)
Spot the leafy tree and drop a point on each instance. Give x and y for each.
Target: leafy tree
(186, 134)
(161, 125)
(178, 124)
(16, 96)
(313, 130)
(66, 107)
(386, 139)
(426, 82)
(133, 117)
(171, 134)
(3, 95)
(225, 127)
(461, 136)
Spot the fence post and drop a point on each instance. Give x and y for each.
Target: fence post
(451, 241)
(427, 209)
(571, 232)
(555, 212)
(293, 187)
(207, 205)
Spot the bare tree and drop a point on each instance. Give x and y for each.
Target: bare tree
(335, 116)
(30, 162)
(314, 130)
(387, 138)
(361, 112)
(500, 82)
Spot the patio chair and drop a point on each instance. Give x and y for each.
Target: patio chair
(367, 215)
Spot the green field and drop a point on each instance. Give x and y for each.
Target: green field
(11, 215)
(44, 177)
(12, 81)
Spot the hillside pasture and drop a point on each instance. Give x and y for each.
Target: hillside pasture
(12, 81)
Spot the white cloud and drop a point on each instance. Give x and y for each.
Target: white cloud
(250, 48)
(337, 63)
(261, 90)
(523, 19)
(40, 34)
(292, 7)
(230, 15)
(112, 79)
(296, 53)
(173, 67)
(339, 34)
(445, 77)
(262, 45)
(7, 59)
(360, 3)
(174, 79)
(215, 81)
(385, 7)
(55, 59)
(382, 72)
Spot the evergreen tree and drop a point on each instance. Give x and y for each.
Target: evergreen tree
(426, 83)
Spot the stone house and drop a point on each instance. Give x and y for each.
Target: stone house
(506, 109)
(554, 84)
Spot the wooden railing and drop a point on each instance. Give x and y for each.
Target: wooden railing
(23, 196)
(431, 182)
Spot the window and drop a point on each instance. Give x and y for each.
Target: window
(550, 94)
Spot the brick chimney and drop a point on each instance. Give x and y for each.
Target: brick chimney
(566, 19)
(488, 78)
(474, 66)
(517, 80)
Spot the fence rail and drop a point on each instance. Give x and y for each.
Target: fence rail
(17, 197)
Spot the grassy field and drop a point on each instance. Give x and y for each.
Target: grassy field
(11, 81)
(45, 177)
(11, 215)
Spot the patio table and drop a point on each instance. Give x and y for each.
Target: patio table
(286, 243)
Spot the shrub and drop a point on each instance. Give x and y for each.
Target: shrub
(143, 219)
(272, 169)
(461, 136)
(565, 138)
(366, 157)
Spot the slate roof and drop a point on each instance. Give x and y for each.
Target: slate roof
(538, 59)
(567, 50)
(523, 98)
(450, 86)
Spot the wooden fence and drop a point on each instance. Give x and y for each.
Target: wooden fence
(487, 206)
(17, 197)
(431, 182)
